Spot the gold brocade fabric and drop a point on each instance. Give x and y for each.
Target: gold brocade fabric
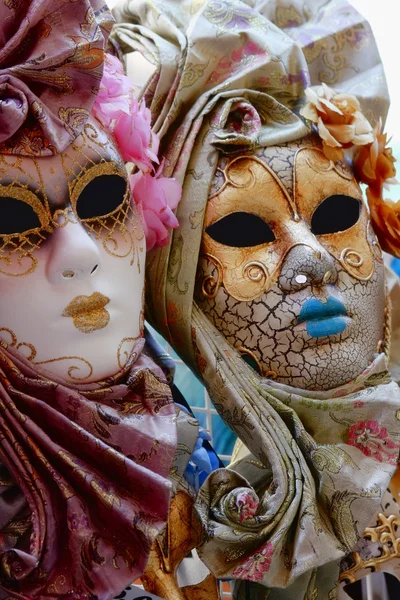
(227, 77)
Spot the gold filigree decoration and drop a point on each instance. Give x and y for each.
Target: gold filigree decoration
(210, 285)
(324, 165)
(13, 341)
(118, 240)
(351, 260)
(383, 534)
(122, 362)
(256, 271)
(33, 352)
(72, 368)
(30, 347)
(92, 135)
(16, 248)
(62, 217)
(235, 175)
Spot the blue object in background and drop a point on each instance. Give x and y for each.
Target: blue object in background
(203, 460)
(222, 438)
(395, 265)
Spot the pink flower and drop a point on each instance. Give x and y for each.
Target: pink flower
(358, 404)
(373, 441)
(255, 565)
(136, 141)
(117, 109)
(156, 197)
(114, 93)
(247, 506)
(130, 123)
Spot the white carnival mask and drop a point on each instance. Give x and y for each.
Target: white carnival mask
(72, 252)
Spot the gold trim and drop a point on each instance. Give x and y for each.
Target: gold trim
(387, 330)
(18, 345)
(71, 368)
(256, 271)
(209, 281)
(22, 244)
(353, 263)
(103, 168)
(125, 353)
(383, 534)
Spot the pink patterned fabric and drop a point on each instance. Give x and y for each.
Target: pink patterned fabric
(256, 565)
(373, 440)
(130, 122)
(83, 487)
(51, 64)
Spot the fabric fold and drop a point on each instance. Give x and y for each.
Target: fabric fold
(49, 80)
(92, 463)
(308, 488)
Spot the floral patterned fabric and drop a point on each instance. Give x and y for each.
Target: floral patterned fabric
(48, 79)
(84, 486)
(228, 75)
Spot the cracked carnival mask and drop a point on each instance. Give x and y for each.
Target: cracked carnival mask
(290, 270)
(72, 253)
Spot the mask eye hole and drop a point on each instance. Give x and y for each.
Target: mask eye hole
(334, 214)
(241, 230)
(17, 216)
(101, 196)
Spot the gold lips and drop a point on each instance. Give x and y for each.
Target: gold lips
(88, 312)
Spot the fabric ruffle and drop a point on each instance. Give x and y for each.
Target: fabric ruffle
(51, 64)
(304, 492)
(84, 479)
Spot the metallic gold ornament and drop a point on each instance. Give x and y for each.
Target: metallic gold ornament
(385, 535)
(182, 534)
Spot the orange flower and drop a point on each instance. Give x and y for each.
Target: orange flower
(339, 120)
(385, 217)
(374, 163)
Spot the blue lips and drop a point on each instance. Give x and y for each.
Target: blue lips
(323, 319)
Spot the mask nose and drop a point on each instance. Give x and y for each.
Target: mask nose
(306, 265)
(74, 256)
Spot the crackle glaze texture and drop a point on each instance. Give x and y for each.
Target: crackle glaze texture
(255, 295)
